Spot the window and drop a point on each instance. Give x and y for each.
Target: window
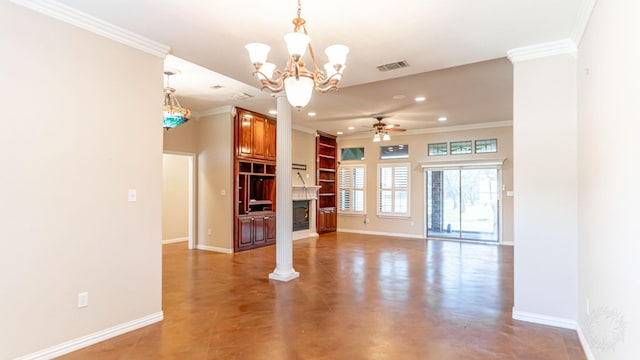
(486, 146)
(394, 152)
(460, 147)
(347, 154)
(351, 180)
(437, 149)
(393, 189)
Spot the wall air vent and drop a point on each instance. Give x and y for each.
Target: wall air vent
(393, 66)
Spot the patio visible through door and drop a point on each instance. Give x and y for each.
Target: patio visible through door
(463, 204)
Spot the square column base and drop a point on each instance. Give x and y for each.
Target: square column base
(284, 277)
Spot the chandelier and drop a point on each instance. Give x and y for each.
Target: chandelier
(173, 114)
(297, 81)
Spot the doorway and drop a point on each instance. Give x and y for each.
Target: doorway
(178, 204)
(463, 204)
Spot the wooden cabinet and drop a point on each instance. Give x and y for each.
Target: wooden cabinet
(255, 136)
(326, 167)
(255, 230)
(254, 181)
(326, 220)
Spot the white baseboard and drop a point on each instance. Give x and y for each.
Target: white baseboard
(412, 236)
(544, 319)
(585, 344)
(176, 240)
(303, 234)
(215, 249)
(84, 341)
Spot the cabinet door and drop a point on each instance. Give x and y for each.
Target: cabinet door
(245, 233)
(270, 228)
(326, 220)
(259, 130)
(259, 235)
(270, 140)
(245, 134)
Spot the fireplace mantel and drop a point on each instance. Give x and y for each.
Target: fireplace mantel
(305, 192)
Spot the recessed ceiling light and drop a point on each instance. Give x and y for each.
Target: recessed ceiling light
(273, 112)
(351, 128)
(339, 133)
(311, 113)
(420, 99)
(399, 97)
(442, 118)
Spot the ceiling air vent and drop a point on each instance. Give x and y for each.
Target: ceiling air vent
(393, 66)
(241, 96)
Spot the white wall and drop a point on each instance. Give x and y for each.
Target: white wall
(81, 127)
(175, 197)
(545, 186)
(608, 153)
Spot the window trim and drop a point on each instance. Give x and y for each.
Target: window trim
(393, 214)
(351, 190)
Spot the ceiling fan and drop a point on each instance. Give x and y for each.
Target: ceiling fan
(382, 130)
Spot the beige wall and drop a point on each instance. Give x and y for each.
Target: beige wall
(81, 128)
(175, 197)
(415, 225)
(215, 181)
(303, 151)
(608, 226)
(183, 139)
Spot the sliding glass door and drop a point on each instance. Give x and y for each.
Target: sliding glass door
(463, 204)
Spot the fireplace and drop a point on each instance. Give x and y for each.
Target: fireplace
(300, 215)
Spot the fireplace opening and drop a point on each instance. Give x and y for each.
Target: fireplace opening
(300, 215)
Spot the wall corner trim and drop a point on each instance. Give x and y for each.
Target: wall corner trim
(84, 341)
(544, 319)
(90, 23)
(582, 20)
(561, 47)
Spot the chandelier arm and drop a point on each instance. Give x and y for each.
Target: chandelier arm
(274, 88)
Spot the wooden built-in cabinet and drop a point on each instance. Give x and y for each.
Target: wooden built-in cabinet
(255, 136)
(326, 167)
(255, 181)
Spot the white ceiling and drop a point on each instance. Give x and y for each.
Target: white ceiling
(455, 48)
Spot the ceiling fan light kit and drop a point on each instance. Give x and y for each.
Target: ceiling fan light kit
(297, 81)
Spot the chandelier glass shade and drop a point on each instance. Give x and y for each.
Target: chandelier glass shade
(173, 115)
(381, 135)
(295, 79)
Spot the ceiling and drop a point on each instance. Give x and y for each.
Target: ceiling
(455, 48)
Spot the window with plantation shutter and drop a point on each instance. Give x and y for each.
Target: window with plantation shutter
(393, 189)
(351, 189)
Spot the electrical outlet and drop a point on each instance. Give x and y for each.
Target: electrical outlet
(133, 196)
(83, 299)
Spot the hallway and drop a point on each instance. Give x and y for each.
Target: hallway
(358, 297)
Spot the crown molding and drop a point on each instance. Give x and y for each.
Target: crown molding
(582, 19)
(444, 129)
(225, 109)
(561, 47)
(303, 129)
(90, 23)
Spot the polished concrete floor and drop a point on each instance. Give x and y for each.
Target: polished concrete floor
(358, 297)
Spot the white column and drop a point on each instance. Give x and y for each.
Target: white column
(284, 213)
